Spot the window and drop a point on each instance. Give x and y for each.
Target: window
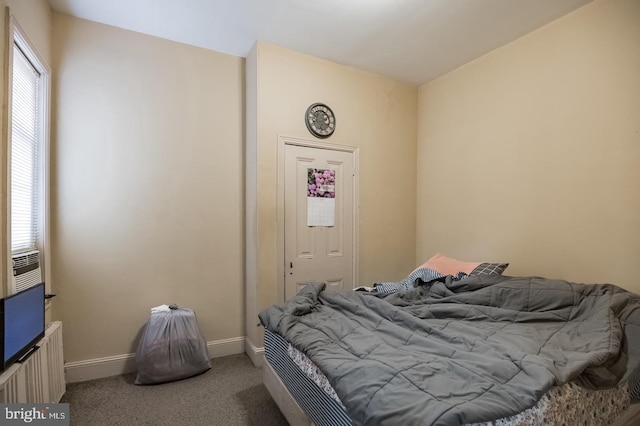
(28, 156)
(25, 190)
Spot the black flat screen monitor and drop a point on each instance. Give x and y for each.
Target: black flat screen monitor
(23, 323)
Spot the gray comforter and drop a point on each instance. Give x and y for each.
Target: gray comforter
(470, 351)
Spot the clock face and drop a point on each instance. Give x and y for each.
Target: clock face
(320, 120)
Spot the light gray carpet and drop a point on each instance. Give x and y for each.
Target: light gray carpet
(231, 393)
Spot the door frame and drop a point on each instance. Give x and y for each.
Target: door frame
(283, 141)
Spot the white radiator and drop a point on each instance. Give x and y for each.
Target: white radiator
(40, 379)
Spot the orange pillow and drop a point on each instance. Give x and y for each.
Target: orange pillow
(448, 266)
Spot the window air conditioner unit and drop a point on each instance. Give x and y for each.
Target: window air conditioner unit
(26, 270)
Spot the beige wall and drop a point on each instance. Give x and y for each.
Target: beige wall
(149, 200)
(148, 185)
(530, 154)
(375, 114)
(35, 19)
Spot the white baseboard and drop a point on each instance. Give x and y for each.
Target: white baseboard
(255, 354)
(97, 368)
(220, 348)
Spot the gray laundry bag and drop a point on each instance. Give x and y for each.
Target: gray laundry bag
(171, 348)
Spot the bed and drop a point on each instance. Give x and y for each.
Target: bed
(452, 350)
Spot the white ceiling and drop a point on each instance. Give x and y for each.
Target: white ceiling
(409, 40)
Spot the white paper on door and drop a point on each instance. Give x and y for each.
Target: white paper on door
(321, 197)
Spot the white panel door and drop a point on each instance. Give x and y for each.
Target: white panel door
(318, 253)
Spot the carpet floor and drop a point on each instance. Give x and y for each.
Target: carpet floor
(229, 394)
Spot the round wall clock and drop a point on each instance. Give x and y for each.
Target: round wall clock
(320, 120)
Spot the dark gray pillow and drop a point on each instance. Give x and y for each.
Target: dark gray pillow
(489, 269)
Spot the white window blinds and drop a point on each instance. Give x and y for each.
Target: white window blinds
(25, 125)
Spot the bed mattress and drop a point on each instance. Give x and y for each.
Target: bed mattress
(319, 406)
(561, 405)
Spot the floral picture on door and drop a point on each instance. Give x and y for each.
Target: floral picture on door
(321, 194)
(321, 183)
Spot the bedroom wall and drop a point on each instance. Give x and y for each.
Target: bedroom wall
(530, 154)
(148, 177)
(34, 17)
(373, 113)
